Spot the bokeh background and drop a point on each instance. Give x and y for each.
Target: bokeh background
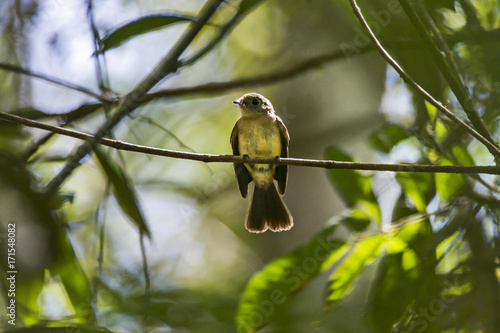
(200, 257)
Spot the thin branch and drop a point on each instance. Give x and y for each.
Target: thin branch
(168, 65)
(491, 147)
(280, 75)
(210, 158)
(101, 72)
(59, 82)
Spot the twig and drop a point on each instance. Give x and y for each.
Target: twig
(210, 158)
(491, 147)
(167, 66)
(59, 82)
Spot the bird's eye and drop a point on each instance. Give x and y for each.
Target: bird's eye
(255, 101)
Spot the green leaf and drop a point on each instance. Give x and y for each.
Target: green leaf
(418, 187)
(401, 209)
(274, 285)
(387, 137)
(73, 278)
(138, 27)
(448, 184)
(392, 290)
(124, 191)
(341, 279)
(355, 188)
(248, 5)
(356, 220)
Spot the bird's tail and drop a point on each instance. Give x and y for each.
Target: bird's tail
(268, 210)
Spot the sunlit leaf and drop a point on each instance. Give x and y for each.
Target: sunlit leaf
(341, 279)
(418, 187)
(138, 27)
(355, 188)
(274, 285)
(387, 137)
(462, 155)
(448, 184)
(124, 191)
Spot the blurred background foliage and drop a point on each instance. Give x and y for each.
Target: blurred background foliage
(141, 243)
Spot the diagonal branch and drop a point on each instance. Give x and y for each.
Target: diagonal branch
(443, 58)
(493, 148)
(210, 158)
(221, 87)
(167, 66)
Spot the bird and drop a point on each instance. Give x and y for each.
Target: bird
(259, 132)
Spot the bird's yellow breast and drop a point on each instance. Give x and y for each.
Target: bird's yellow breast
(259, 136)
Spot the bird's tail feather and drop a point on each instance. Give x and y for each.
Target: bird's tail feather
(268, 210)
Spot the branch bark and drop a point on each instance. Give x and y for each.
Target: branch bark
(210, 158)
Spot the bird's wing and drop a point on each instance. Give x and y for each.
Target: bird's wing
(242, 175)
(282, 170)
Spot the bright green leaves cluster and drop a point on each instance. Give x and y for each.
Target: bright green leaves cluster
(342, 278)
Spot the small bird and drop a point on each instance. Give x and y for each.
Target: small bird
(261, 133)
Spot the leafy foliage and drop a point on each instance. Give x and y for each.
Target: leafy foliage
(424, 258)
(284, 276)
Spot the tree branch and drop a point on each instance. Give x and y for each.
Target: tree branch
(210, 158)
(59, 82)
(493, 148)
(220, 87)
(168, 65)
(440, 52)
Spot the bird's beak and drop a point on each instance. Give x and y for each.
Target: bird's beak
(238, 102)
